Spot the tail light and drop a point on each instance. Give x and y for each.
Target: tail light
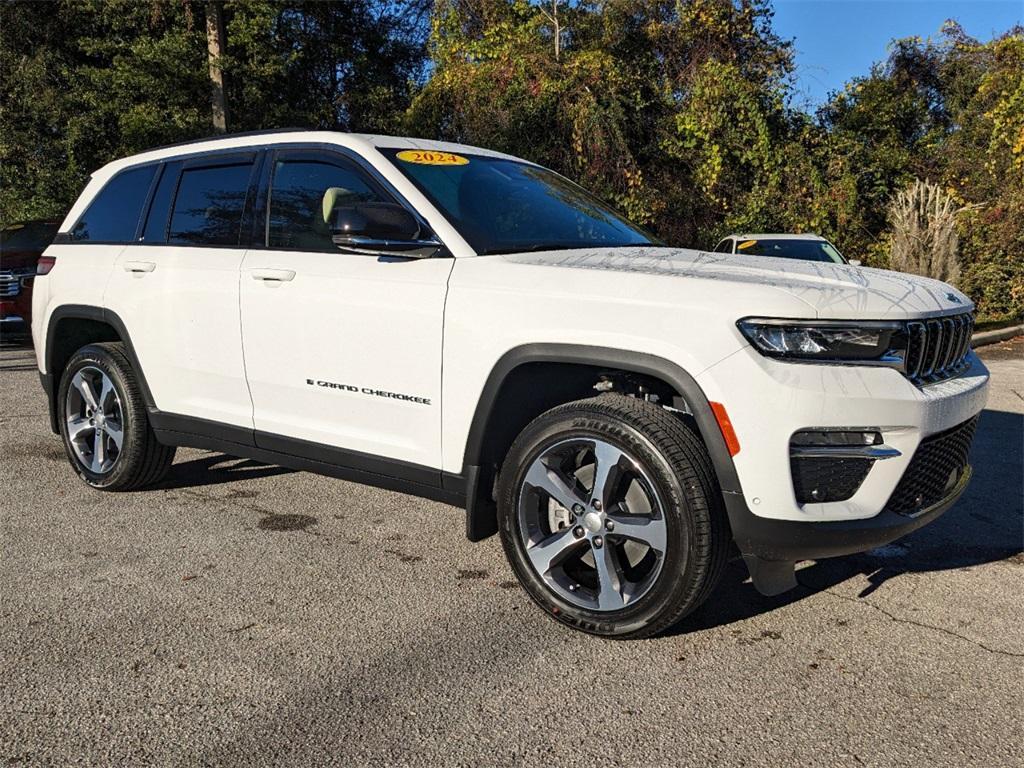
(45, 264)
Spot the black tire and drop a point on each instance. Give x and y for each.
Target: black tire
(142, 460)
(676, 462)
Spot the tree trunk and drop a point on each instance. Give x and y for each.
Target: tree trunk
(215, 45)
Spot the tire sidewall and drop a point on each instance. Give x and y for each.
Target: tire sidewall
(125, 467)
(672, 583)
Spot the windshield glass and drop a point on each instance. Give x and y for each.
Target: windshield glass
(785, 248)
(504, 206)
(33, 236)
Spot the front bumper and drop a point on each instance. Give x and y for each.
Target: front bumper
(771, 548)
(781, 540)
(768, 401)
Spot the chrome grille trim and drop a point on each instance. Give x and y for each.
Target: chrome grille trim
(937, 348)
(10, 284)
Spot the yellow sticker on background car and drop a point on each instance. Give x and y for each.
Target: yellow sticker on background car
(746, 244)
(431, 157)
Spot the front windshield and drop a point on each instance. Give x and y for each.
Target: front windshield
(32, 236)
(505, 206)
(787, 248)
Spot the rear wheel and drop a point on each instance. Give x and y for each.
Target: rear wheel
(611, 517)
(103, 422)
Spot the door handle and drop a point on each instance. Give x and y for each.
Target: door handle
(273, 275)
(139, 266)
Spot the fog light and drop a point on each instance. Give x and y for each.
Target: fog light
(810, 437)
(830, 465)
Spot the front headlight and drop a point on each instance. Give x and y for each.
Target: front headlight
(828, 341)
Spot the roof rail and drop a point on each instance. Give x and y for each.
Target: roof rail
(242, 134)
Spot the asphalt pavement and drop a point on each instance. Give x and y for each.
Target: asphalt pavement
(244, 614)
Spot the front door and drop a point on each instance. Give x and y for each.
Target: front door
(342, 351)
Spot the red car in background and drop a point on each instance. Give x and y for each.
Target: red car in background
(21, 245)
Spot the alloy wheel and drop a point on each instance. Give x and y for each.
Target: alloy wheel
(591, 524)
(95, 420)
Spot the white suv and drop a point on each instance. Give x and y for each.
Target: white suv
(466, 326)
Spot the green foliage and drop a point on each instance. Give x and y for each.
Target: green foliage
(87, 81)
(677, 112)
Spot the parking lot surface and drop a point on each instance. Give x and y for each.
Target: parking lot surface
(246, 614)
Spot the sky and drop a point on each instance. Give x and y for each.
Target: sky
(836, 40)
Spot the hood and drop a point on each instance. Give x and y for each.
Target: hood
(834, 291)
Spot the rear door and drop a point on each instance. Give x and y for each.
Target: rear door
(176, 289)
(342, 351)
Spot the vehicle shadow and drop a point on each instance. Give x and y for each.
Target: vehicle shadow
(18, 354)
(216, 469)
(985, 526)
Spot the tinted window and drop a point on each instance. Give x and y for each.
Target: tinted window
(804, 250)
(305, 190)
(209, 204)
(160, 208)
(507, 206)
(724, 247)
(113, 217)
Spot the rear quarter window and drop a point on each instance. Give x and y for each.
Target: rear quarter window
(113, 215)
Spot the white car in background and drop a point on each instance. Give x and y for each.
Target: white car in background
(807, 247)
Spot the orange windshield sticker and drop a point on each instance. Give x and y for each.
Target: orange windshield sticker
(431, 157)
(746, 244)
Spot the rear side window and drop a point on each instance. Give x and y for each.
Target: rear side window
(209, 205)
(724, 247)
(113, 216)
(306, 188)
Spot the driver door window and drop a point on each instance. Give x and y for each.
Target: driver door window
(305, 188)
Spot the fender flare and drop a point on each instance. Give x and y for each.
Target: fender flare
(480, 521)
(51, 379)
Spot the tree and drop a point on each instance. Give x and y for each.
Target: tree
(92, 80)
(924, 237)
(660, 107)
(215, 46)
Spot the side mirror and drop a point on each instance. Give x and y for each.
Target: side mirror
(376, 228)
(854, 262)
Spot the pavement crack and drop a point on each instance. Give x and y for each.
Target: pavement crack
(912, 622)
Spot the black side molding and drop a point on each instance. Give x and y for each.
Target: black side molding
(303, 455)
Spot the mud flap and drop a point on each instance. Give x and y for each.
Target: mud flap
(771, 577)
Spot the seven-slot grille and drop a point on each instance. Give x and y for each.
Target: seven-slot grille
(10, 284)
(936, 468)
(937, 348)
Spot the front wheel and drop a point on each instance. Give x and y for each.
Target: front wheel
(103, 422)
(611, 517)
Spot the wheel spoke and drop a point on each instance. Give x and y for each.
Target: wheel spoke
(646, 530)
(609, 578)
(553, 484)
(106, 390)
(77, 429)
(84, 388)
(607, 471)
(549, 552)
(114, 430)
(99, 450)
